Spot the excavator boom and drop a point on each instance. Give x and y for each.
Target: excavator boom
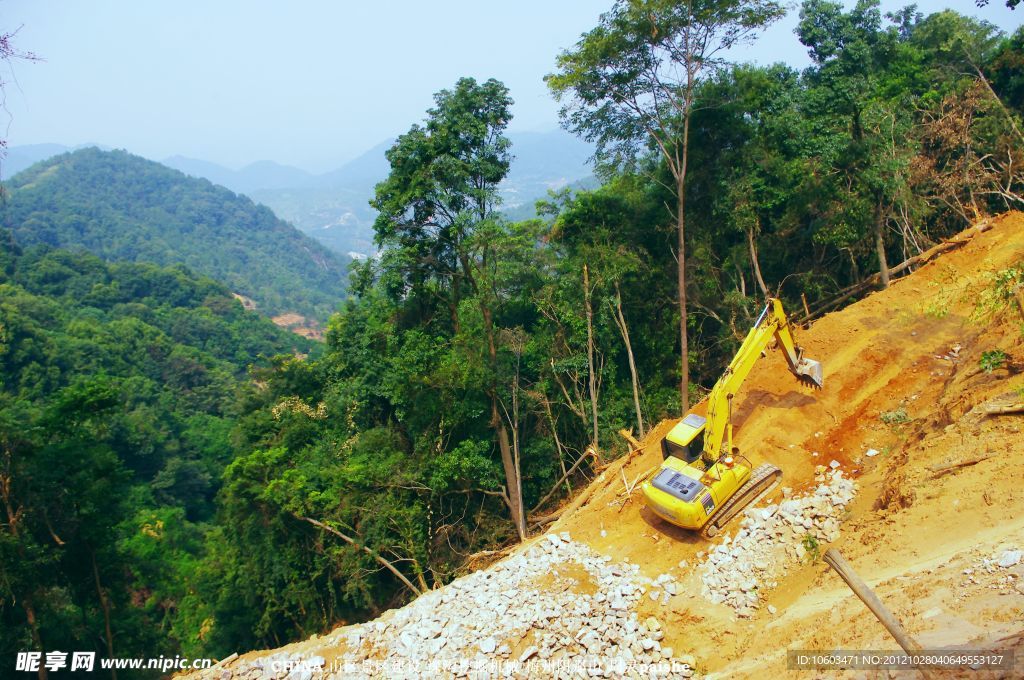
(771, 324)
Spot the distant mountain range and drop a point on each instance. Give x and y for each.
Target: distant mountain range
(334, 208)
(124, 207)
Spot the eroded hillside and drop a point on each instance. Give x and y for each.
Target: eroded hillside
(904, 462)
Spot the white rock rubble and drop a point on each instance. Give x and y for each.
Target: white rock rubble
(501, 623)
(770, 540)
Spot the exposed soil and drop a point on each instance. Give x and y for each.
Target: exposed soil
(299, 325)
(913, 349)
(247, 302)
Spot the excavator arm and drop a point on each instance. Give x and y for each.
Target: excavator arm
(772, 323)
(685, 442)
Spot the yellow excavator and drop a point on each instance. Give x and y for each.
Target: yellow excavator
(704, 481)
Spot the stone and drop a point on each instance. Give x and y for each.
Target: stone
(1009, 558)
(488, 645)
(527, 653)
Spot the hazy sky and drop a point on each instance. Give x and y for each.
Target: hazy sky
(310, 83)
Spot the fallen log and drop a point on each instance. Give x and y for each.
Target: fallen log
(226, 660)
(938, 470)
(369, 551)
(588, 453)
(575, 503)
(495, 554)
(1003, 410)
(876, 278)
(628, 436)
(835, 560)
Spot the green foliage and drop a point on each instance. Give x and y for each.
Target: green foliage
(812, 548)
(123, 207)
(992, 360)
(627, 85)
(1005, 291)
(1007, 69)
(115, 421)
(896, 417)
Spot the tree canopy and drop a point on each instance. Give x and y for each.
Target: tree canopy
(123, 207)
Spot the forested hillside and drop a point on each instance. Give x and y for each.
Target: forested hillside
(333, 207)
(120, 390)
(478, 371)
(122, 207)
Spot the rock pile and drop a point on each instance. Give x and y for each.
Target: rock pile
(555, 610)
(999, 571)
(773, 538)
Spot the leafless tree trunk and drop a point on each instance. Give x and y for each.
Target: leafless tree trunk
(1006, 112)
(684, 352)
(590, 355)
(105, 604)
(565, 476)
(558, 442)
(620, 321)
(508, 462)
(14, 516)
(755, 262)
(883, 264)
(516, 341)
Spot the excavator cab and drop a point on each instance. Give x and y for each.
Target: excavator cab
(685, 441)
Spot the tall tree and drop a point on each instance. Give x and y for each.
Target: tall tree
(630, 84)
(441, 190)
(862, 69)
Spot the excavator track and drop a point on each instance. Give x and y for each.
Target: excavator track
(763, 480)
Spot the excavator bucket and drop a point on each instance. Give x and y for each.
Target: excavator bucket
(809, 372)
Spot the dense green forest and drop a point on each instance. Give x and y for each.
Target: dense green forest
(123, 207)
(478, 371)
(120, 390)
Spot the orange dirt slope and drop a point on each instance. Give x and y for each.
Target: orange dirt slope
(911, 353)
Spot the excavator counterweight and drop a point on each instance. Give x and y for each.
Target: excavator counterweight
(704, 482)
